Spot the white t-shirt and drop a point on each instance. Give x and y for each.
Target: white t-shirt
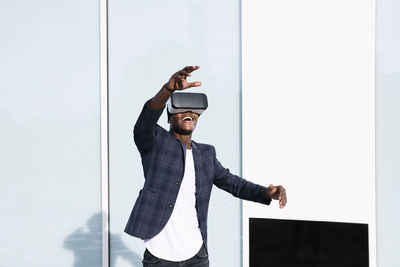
(181, 237)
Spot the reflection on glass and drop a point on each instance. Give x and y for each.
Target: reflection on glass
(86, 245)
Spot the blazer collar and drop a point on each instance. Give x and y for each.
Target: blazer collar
(197, 159)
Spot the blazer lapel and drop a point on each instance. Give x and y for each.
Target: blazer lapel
(197, 164)
(183, 147)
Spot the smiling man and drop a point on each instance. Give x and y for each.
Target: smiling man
(170, 213)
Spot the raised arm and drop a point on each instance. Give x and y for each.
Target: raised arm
(145, 127)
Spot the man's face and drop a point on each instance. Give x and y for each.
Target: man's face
(183, 123)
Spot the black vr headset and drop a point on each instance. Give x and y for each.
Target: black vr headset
(183, 102)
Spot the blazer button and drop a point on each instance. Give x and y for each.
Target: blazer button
(178, 183)
(171, 205)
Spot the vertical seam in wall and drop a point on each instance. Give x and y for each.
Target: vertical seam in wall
(240, 129)
(105, 236)
(375, 263)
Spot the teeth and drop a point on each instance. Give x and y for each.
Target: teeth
(187, 118)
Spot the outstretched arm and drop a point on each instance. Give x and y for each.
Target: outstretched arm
(246, 190)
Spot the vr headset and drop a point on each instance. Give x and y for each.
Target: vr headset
(183, 102)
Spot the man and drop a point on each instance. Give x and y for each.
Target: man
(170, 214)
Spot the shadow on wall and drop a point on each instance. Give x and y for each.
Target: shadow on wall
(86, 246)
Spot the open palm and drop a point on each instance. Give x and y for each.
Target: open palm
(178, 79)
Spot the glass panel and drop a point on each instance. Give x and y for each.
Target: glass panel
(148, 42)
(50, 134)
(388, 132)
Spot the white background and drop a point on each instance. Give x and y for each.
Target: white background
(308, 109)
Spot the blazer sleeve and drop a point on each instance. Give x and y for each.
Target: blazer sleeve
(236, 185)
(144, 131)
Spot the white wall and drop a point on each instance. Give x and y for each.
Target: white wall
(308, 109)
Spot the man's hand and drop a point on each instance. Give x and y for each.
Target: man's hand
(178, 79)
(176, 82)
(278, 193)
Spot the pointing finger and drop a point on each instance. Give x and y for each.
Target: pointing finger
(283, 197)
(195, 84)
(191, 68)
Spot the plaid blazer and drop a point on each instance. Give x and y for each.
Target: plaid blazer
(163, 160)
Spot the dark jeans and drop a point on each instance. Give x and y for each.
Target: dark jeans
(198, 260)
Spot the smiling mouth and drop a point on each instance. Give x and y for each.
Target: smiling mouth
(187, 118)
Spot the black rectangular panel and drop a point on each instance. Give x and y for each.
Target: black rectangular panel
(293, 243)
